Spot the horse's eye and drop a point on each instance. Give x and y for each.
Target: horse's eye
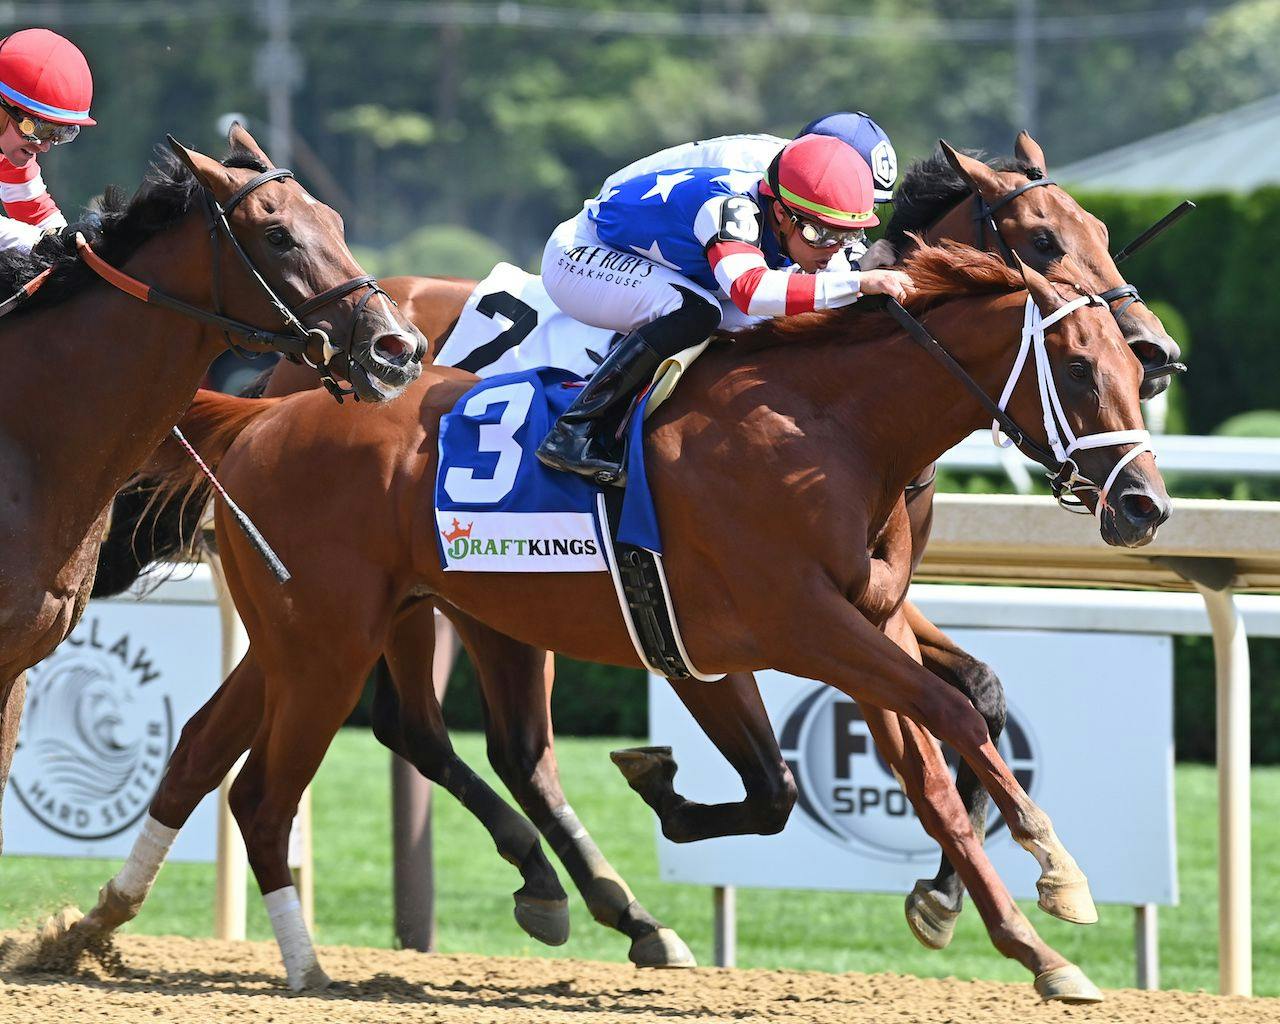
(1043, 243)
(1079, 369)
(278, 237)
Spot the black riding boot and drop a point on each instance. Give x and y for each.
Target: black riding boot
(580, 439)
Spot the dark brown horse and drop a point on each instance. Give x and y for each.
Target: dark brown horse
(787, 583)
(97, 377)
(942, 197)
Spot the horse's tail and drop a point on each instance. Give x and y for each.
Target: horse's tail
(156, 516)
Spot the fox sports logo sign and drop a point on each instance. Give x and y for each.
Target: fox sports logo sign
(849, 793)
(95, 736)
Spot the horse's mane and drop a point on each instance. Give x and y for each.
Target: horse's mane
(931, 187)
(941, 272)
(169, 191)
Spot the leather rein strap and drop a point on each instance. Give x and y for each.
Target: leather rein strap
(299, 338)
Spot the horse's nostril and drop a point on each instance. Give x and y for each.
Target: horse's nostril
(392, 348)
(1139, 508)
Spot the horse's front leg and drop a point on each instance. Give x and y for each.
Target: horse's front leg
(934, 904)
(833, 642)
(732, 715)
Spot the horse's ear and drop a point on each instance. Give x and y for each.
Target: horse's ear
(205, 168)
(1026, 148)
(1040, 287)
(981, 178)
(239, 138)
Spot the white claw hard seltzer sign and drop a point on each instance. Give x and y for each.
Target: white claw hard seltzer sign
(103, 713)
(1089, 736)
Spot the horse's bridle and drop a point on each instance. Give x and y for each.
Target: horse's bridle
(298, 342)
(984, 218)
(1064, 474)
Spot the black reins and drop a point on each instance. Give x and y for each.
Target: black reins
(294, 345)
(984, 218)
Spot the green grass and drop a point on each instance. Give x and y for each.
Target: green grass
(820, 931)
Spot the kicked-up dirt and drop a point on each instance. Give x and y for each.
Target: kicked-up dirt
(199, 982)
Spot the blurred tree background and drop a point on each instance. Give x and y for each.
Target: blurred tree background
(455, 134)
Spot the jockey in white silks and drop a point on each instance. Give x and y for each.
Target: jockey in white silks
(45, 92)
(664, 256)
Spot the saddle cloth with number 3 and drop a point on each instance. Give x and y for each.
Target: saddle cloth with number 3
(498, 509)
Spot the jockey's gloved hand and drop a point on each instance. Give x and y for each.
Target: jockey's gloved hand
(90, 225)
(893, 283)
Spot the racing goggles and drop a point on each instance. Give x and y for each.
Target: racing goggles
(38, 130)
(822, 237)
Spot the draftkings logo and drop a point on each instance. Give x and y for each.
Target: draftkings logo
(95, 736)
(848, 791)
(460, 545)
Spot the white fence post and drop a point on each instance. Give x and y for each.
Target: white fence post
(1146, 940)
(725, 925)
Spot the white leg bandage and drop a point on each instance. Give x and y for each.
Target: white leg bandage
(300, 963)
(150, 849)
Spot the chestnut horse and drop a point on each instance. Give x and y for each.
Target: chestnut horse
(937, 199)
(1038, 224)
(787, 584)
(133, 367)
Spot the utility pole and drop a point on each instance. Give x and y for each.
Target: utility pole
(278, 73)
(1025, 40)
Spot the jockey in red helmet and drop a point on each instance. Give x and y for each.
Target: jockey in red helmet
(667, 257)
(45, 93)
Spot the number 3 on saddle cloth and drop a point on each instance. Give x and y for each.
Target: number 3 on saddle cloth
(498, 509)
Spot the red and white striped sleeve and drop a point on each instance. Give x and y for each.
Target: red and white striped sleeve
(25, 198)
(730, 226)
(742, 272)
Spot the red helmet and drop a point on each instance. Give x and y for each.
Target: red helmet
(46, 75)
(824, 179)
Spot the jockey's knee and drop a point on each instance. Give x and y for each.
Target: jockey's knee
(690, 322)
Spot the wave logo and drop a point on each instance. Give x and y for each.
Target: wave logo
(847, 790)
(95, 736)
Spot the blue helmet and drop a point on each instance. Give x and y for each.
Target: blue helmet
(869, 139)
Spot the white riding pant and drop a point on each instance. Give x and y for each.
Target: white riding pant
(618, 291)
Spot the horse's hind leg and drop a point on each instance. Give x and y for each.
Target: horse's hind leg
(733, 717)
(14, 695)
(516, 681)
(407, 719)
(210, 743)
(934, 904)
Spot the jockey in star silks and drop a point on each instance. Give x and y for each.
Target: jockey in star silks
(663, 257)
(756, 152)
(45, 93)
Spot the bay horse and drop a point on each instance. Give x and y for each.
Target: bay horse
(95, 377)
(787, 583)
(937, 198)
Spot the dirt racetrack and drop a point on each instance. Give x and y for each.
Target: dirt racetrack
(199, 982)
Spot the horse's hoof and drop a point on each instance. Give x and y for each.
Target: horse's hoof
(636, 762)
(60, 924)
(1069, 901)
(545, 920)
(661, 948)
(313, 979)
(930, 920)
(1067, 984)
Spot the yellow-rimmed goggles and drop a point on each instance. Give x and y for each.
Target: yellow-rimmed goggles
(38, 130)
